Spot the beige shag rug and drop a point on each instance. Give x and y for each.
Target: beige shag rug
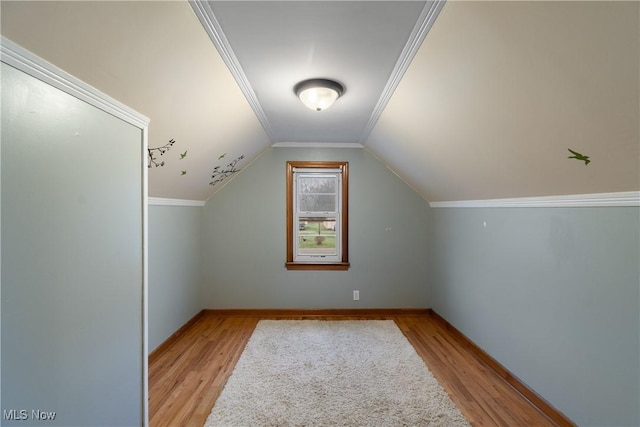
(332, 373)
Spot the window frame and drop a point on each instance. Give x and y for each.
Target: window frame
(343, 262)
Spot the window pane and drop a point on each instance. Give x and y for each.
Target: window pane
(316, 184)
(317, 193)
(317, 236)
(317, 203)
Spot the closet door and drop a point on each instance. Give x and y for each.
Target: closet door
(72, 260)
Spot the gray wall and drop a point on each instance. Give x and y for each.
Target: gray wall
(552, 294)
(72, 259)
(245, 240)
(175, 269)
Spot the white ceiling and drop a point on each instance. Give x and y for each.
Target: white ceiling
(275, 45)
(487, 108)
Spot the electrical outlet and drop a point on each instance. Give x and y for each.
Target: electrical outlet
(356, 295)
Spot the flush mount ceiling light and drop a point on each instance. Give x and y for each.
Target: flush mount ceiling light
(318, 94)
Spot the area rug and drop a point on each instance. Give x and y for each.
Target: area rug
(332, 373)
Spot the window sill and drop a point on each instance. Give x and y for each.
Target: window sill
(317, 266)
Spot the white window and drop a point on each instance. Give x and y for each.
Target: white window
(317, 215)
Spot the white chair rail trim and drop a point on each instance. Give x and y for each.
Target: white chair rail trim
(619, 199)
(158, 201)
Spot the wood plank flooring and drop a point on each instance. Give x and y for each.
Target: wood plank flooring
(188, 376)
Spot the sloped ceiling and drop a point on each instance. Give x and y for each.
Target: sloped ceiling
(500, 90)
(489, 105)
(156, 58)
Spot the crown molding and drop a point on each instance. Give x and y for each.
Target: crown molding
(620, 199)
(317, 145)
(424, 23)
(214, 30)
(159, 201)
(27, 62)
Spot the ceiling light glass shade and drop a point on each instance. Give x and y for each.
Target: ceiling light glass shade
(318, 98)
(318, 94)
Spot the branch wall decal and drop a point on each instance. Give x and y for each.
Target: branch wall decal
(219, 173)
(153, 160)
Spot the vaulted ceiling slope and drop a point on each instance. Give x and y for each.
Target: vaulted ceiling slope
(489, 106)
(499, 92)
(156, 58)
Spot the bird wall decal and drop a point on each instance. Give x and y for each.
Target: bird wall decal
(579, 156)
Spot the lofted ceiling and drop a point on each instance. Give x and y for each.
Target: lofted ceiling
(278, 44)
(463, 100)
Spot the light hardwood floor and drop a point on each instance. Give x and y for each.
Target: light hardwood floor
(186, 378)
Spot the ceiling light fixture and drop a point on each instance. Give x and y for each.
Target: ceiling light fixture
(318, 94)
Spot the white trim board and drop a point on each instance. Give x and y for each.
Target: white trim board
(27, 62)
(317, 145)
(620, 199)
(158, 201)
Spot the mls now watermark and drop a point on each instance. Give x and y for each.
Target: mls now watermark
(25, 414)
